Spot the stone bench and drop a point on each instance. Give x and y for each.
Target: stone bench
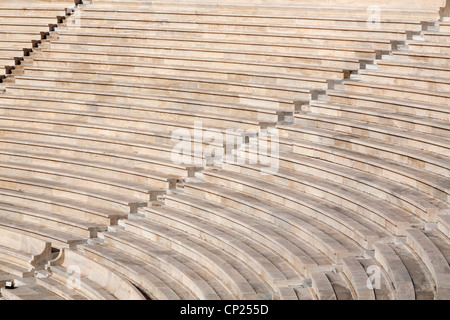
(417, 82)
(206, 29)
(29, 291)
(412, 199)
(156, 144)
(158, 103)
(429, 47)
(220, 67)
(71, 172)
(274, 42)
(413, 122)
(108, 15)
(30, 126)
(146, 58)
(399, 275)
(433, 148)
(156, 283)
(299, 254)
(423, 58)
(140, 16)
(116, 202)
(302, 227)
(253, 254)
(359, 279)
(255, 94)
(322, 286)
(352, 142)
(88, 90)
(63, 206)
(292, 184)
(392, 106)
(190, 275)
(408, 68)
(90, 278)
(433, 258)
(153, 163)
(207, 255)
(71, 225)
(429, 13)
(22, 253)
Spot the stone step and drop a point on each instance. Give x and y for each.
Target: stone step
(146, 58)
(72, 172)
(427, 143)
(70, 225)
(58, 238)
(63, 206)
(273, 42)
(230, 22)
(208, 30)
(398, 92)
(160, 84)
(177, 66)
(374, 114)
(207, 17)
(402, 106)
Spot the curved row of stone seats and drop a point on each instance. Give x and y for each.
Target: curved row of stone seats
(331, 243)
(382, 176)
(299, 240)
(90, 279)
(262, 261)
(120, 15)
(135, 108)
(230, 261)
(201, 282)
(23, 26)
(155, 282)
(304, 257)
(358, 136)
(425, 11)
(20, 254)
(59, 238)
(299, 177)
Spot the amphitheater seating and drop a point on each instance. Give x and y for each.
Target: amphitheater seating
(353, 94)
(24, 25)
